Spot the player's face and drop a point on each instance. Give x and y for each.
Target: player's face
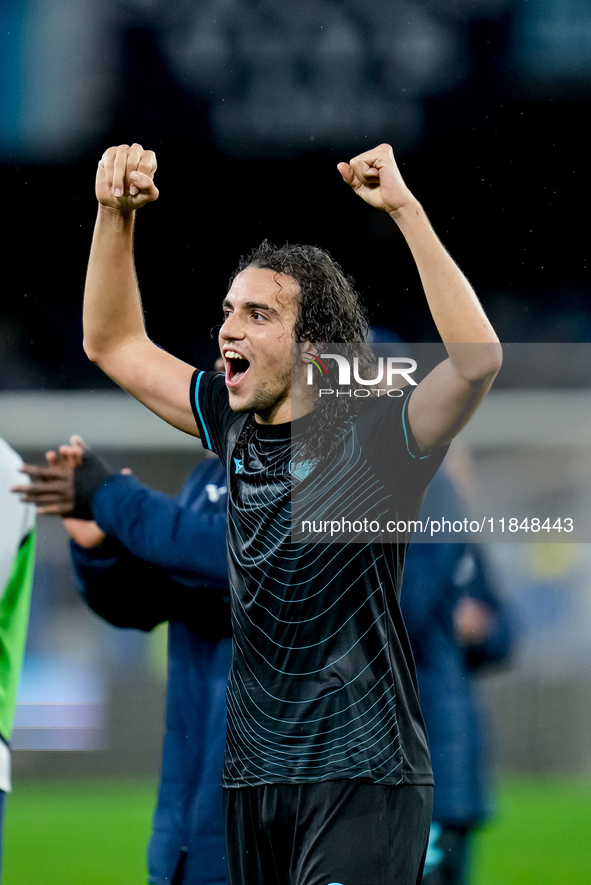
(255, 341)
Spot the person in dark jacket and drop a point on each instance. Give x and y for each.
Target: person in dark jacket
(457, 624)
(158, 559)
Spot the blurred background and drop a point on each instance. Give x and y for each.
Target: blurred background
(249, 106)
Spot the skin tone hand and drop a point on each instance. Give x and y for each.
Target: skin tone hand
(473, 621)
(84, 532)
(52, 487)
(375, 177)
(52, 491)
(124, 178)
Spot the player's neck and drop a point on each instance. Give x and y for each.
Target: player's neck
(289, 409)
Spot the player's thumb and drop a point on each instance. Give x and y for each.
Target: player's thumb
(144, 183)
(346, 172)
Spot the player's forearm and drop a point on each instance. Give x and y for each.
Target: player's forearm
(112, 314)
(454, 306)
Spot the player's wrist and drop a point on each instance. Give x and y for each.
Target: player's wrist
(116, 216)
(408, 212)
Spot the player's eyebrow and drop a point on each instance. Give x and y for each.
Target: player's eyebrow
(251, 305)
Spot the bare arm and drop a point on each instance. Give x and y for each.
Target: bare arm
(114, 333)
(448, 397)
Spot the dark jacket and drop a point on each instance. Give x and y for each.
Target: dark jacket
(169, 564)
(436, 576)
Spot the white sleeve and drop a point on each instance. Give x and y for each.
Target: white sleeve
(16, 519)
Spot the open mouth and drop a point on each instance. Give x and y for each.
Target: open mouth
(236, 367)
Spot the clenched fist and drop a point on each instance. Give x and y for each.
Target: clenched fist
(375, 177)
(125, 178)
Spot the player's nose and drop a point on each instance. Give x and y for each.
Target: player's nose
(232, 327)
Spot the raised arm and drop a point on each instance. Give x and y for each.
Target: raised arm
(114, 333)
(447, 398)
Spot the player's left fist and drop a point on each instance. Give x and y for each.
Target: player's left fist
(375, 177)
(125, 178)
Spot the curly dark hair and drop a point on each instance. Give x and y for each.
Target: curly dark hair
(330, 310)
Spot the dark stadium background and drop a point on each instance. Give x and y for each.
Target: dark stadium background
(498, 155)
(249, 106)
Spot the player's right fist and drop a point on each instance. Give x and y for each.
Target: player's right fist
(125, 178)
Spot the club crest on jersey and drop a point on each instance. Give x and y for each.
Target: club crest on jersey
(301, 469)
(237, 465)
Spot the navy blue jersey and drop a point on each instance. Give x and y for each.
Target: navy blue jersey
(322, 684)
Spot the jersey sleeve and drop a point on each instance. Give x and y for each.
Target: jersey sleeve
(211, 409)
(387, 441)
